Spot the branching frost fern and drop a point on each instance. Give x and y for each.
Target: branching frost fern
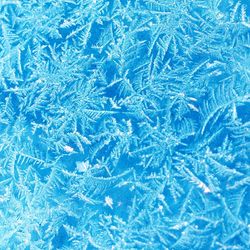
(124, 124)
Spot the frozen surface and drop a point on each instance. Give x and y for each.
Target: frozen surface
(124, 125)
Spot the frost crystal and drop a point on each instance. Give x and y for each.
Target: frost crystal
(124, 124)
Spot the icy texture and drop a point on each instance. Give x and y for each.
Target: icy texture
(124, 124)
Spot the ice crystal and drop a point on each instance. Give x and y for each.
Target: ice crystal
(124, 124)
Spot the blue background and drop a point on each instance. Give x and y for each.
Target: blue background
(124, 124)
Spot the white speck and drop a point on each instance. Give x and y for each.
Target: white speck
(204, 188)
(109, 202)
(161, 197)
(82, 166)
(68, 149)
(160, 208)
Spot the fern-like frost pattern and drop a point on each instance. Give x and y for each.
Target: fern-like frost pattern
(124, 124)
